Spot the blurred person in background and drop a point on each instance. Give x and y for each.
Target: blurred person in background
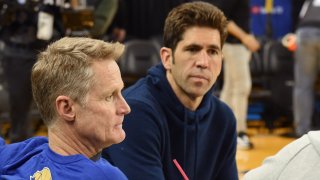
(26, 28)
(236, 69)
(142, 19)
(299, 159)
(104, 14)
(307, 59)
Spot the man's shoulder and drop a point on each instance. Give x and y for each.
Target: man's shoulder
(23, 146)
(17, 154)
(110, 171)
(220, 114)
(219, 105)
(2, 141)
(140, 88)
(142, 93)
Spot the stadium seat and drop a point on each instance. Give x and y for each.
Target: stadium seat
(138, 57)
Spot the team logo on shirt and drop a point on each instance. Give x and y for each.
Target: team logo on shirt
(44, 174)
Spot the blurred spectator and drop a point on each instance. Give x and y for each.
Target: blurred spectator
(237, 54)
(271, 19)
(104, 13)
(143, 19)
(24, 37)
(296, 7)
(307, 59)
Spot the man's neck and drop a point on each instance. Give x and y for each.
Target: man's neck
(96, 157)
(187, 100)
(68, 144)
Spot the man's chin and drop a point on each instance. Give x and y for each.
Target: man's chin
(116, 139)
(120, 137)
(198, 92)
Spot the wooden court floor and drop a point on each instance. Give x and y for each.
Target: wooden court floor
(265, 144)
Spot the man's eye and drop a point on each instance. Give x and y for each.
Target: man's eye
(193, 49)
(213, 51)
(109, 98)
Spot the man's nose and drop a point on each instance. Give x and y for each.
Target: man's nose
(203, 61)
(123, 107)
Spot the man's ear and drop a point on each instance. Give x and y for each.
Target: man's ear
(166, 57)
(65, 108)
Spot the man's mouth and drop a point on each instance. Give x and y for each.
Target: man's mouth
(200, 77)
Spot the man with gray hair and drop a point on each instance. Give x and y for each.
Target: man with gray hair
(76, 85)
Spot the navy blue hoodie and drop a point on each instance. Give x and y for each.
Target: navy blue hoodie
(160, 129)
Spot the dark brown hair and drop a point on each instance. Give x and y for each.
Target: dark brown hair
(192, 14)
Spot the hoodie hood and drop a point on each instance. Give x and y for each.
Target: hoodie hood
(157, 76)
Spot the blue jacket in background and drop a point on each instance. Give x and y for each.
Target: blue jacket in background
(160, 129)
(33, 158)
(275, 24)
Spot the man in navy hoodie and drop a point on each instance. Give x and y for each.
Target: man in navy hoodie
(174, 114)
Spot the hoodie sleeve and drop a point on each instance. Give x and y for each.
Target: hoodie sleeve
(228, 165)
(139, 156)
(281, 165)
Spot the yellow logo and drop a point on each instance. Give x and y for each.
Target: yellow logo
(44, 174)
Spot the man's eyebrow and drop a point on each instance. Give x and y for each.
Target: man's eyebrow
(213, 46)
(193, 45)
